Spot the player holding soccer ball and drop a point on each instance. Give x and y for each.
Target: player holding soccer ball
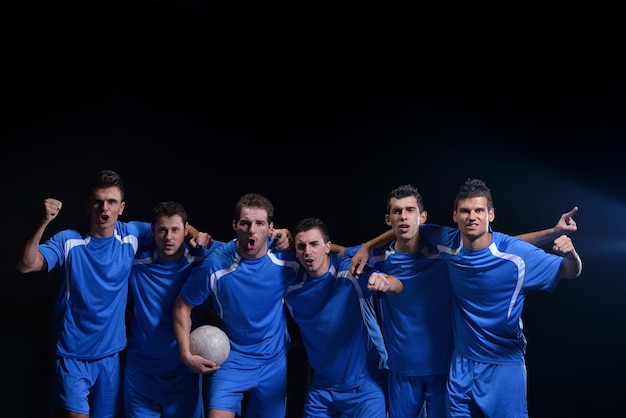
(246, 280)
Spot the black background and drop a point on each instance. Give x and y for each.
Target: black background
(324, 107)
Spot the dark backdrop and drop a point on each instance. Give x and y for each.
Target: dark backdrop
(324, 108)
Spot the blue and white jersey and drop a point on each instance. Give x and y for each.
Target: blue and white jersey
(417, 323)
(490, 286)
(155, 284)
(89, 311)
(338, 325)
(248, 295)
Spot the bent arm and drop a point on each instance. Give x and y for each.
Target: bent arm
(182, 329)
(571, 265)
(197, 239)
(363, 254)
(29, 257)
(337, 249)
(284, 238)
(382, 282)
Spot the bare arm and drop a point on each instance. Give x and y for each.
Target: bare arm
(203, 239)
(197, 239)
(564, 226)
(182, 329)
(29, 257)
(363, 254)
(337, 249)
(571, 265)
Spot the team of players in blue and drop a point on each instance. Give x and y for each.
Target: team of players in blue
(450, 289)
(488, 274)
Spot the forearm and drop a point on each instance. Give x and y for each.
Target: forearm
(379, 241)
(196, 238)
(395, 285)
(359, 259)
(571, 266)
(539, 238)
(337, 249)
(564, 226)
(29, 258)
(182, 326)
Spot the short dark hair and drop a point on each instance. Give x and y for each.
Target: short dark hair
(254, 200)
(104, 179)
(169, 209)
(405, 190)
(474, 188)
(311, 223)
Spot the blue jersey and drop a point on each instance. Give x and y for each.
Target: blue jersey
(490, 285)
(155, 284)
(417, 323)
(248, 295)
(338, 325)
(89, 311)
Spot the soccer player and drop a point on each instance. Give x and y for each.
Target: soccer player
(335, 315)
(156, 383)
(93, 262)
(491, 273)
(565, 225)
(417, 324)
(246, 280)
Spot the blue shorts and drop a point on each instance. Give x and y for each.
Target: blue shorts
(483, 389)
(367, 400)
(264, 384)
(410, 395)
(87, 387)
(177, 395)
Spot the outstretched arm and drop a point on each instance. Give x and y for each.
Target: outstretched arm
(29, 257)
(564, 226)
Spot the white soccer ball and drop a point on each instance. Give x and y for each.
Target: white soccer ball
(210, 342)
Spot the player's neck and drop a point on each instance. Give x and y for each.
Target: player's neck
(408, 246)
(477, 242)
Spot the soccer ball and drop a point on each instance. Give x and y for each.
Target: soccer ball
(210, 342)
